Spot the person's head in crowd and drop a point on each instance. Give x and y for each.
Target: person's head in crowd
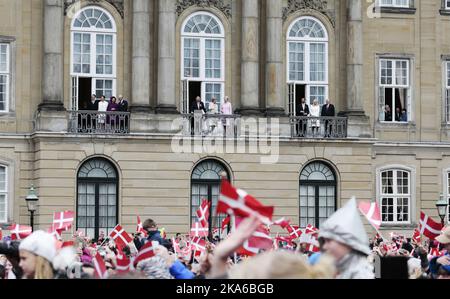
(444, 239)
(150, 225)
(102, 98)
(37, 252)
(93, 98)
(113, 100)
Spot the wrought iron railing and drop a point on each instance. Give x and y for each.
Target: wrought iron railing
(211, 125)
(319, 127)
(94, 122)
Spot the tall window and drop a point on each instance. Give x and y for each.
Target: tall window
(205, 184)
(307, 67)
(395, 196)
(97, 207)
(447, 195)
(447, 91)
(394, 3)
(93, 58)
(3, 194)
(447, 4)
(203, 57)
(5, 76)
(394, 91)
(317, 194)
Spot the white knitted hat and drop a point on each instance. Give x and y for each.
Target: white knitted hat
(40, 243)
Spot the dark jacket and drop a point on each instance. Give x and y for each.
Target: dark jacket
(156, 236)
(302, 112)
(93, 106)
(123, 106)
(328, 111)
(195, 107)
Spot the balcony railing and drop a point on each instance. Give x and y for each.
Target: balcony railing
(211, 125)
(93, 122)
(319, 127)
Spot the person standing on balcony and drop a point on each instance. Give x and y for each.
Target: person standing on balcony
(315, 112)
(93, 103)
(227, 109)
(302, 111)
(102, 107)
(112, 107)
(123, 104)
(213, 109)
(123, 107)
(328, 110)
(197, 106)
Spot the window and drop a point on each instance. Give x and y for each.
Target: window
(317, 194)
(447, 193)
(447, 4)
(203, 56)
(307, 52)
(447, 91)
(3, 194)
(395, 196)
(5, 77)
(394, 91)
(93, 57)
(394, 3)
(205, 184)
(97, 207)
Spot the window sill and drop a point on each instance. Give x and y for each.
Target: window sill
(398, 226)
(444, 12)
(396, 125)
(398, 10)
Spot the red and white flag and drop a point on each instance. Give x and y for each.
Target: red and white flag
(198, 230)
(294, 231)
(435, 252)
(198, 245)
(416, 236)
(99, 266)
(311, 241)
(19, 232)
(260, 239)
(55, 232)
(176, 246)
(283, 223)
(147, 251)
(203, 213)
(372, 213)
(429, 227)
(120, 236)
(310, 229)
(63, 221)
(238, 202)
(68, 244)
(140, 227)
(123, 263)
(225, 222)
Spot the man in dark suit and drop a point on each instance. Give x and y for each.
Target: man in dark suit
(328, 110)
(93, 103)
(196, 106)
(90, 123)
(123, 120)
(302, 110)
(123, 104)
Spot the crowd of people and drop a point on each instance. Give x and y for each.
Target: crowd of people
(343, 252)
(212, 123)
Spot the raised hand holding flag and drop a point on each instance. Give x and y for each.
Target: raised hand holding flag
(120, 236)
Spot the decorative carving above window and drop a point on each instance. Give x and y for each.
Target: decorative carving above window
(308, 5)
(118, 4)
(182, 5)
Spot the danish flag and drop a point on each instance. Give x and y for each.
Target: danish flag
(310, 229)
(203, 213)
(63, 220)
(312, 244)
(120, 236)
(55, 232)
(260, 239)
(435, 252)
(225, 222)
(198, 245)
(100, 267)
(294, 231)
(429, 227)
(372, 213)
(123, 263)
(283, 223)
(140, 227)
(198, 230)
(146, 252)
(241, 204)
(19, 232)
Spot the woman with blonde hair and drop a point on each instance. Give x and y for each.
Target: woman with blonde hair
(36, 255)
(315, 112)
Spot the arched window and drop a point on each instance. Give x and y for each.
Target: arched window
(203, 58)
(307, 65)
(93, 56)
(205, 184)
(318, 188)
(97, 207)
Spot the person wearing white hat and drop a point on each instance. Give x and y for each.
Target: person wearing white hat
(36, 255)
(343, 236)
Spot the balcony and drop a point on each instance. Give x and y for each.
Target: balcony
(211, 125)
(319, 127)
(93, 122)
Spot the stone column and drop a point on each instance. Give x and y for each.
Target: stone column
(358, 122)
(52, 75)
(141, 85)
(274, 64)
(250, 58)
(166, 58)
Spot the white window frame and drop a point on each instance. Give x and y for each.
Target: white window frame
(411, 185)
(447, 4)
(394, 3)
(446, 91)
(7, 74)
(93, 32)
(6, 193)
(446, 193)
(202, 37)
(395, 86)
(307, 41)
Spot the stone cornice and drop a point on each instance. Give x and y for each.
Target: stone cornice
(118, 4)
(308, 5)
(182, 5)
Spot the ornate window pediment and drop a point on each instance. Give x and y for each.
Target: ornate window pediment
(182, 5)
(118, 4)
(317, 5)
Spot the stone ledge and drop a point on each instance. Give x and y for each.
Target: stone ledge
(397, 10)
(444, 12)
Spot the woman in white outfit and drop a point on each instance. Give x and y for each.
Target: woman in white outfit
(102, 107)
(315, 112)
(213, 109)
(227, 109)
